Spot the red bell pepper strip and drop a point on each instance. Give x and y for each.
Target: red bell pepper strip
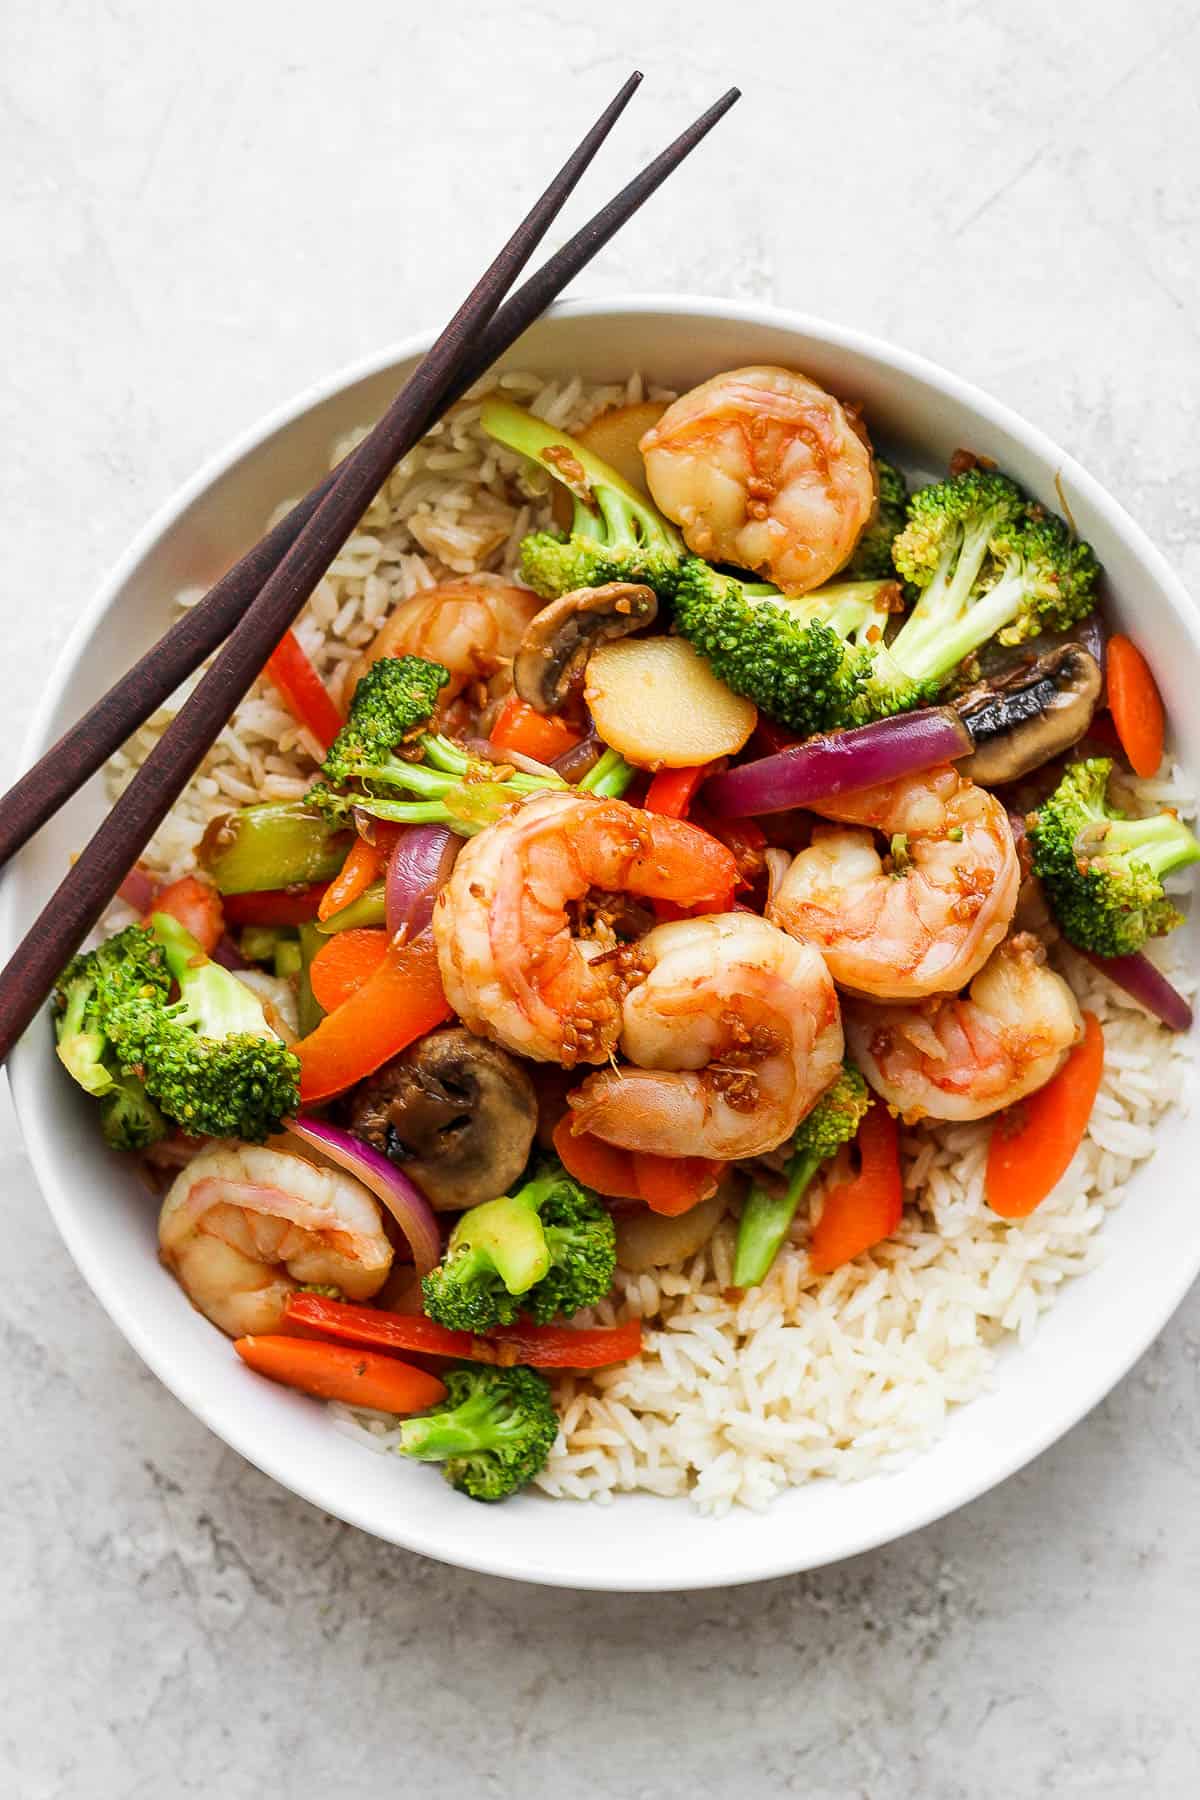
(672, 790)
(1032, 1144)
(520, 727)
(304, 693)
(401, 1001)
(275, 906)
(336, 1372)
(866, 1208)
(538, 1346)
(196, 905)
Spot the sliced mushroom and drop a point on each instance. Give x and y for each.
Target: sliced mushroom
(456, 1113)
(559, 640)
(1032, 715)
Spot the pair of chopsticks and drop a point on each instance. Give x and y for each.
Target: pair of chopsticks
(253, 605)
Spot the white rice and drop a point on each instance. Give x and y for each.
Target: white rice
(734, 1396)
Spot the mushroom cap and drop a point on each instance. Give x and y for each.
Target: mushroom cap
(456, 1112)
(1030, 716)
(558, 640)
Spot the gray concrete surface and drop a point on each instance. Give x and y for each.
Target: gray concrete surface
(203, 207)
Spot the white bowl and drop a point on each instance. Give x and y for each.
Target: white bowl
(1090, 1338)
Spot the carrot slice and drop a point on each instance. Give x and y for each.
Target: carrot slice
(865, 1209)
(674, 1184)
(537, 1346)
(401, 1001)
(343, 963)
(1033, 1142)
(337, 1372)
(361, 867)
(1136, 705)
(522, 728)
(304, 693)
(597, 1164)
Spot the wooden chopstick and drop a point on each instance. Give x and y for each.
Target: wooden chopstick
(450, 366)
(87, 745)
(37, 795)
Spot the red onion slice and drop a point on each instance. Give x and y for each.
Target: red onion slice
(417, 868)
(823, 767)
(406, 1203)
(228, 954)
(1147, 985)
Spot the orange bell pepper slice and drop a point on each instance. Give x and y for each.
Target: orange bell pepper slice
(399, 1002)
(343, 963)
(667, 1184)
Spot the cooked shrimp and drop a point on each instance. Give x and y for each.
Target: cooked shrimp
(966, 1056)
(732, 1036)
(922, 920)
(471, 627)
(511, 963)
(762, 468)
(242, 1227)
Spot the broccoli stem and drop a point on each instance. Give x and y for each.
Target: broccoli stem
(599, 493)
(1159, 844)
(447, 1434)
(609, 777)
(766, 1219)
(943, 629)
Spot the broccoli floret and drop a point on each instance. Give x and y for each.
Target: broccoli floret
(805, 662)
(1102, 872)
(209, 1060)
(129, 1119)
(128, 966)
(616, 533)
(449, 787)
(493, 1432)
(546, 1250)
(766, 1217)
(987, 563)
(395, 696)
(872, 559)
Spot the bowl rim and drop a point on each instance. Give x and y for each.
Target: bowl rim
(476, 1552)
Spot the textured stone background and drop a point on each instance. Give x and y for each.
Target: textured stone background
(206, 206)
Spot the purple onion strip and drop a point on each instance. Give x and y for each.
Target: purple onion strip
(406, 1203)
(843, 763)
(1147, 985)
(417, 868)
